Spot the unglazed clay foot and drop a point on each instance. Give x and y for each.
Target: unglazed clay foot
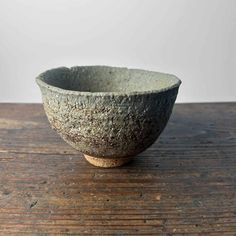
(107, 162)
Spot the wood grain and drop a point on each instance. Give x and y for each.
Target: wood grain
(184, 184)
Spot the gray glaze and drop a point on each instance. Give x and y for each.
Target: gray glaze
(108, 112)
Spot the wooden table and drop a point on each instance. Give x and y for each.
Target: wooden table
(184, 183)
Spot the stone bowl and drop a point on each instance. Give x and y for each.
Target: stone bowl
(110, 114)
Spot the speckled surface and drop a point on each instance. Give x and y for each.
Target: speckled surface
(108, 112)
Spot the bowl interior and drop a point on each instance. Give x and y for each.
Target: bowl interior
(107, 79)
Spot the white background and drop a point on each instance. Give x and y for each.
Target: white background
(193, 39)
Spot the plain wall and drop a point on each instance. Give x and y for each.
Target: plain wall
(193, 39)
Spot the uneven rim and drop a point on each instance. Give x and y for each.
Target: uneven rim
(40, 82)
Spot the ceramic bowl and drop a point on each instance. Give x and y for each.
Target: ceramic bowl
(110, 114)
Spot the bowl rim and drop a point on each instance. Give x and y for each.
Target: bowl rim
(40, 82)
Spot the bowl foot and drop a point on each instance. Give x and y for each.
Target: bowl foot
(107, 162)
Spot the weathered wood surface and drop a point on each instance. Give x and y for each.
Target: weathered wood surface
(184, 183)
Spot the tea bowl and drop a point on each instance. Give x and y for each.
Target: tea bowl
(110, 114)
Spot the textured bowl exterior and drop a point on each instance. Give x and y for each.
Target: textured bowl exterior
(109, 125)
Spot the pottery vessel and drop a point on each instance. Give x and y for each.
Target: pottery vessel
(110, 114)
